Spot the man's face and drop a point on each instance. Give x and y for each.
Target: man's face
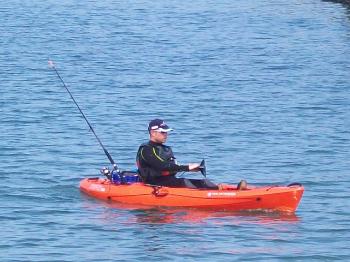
(159, 137)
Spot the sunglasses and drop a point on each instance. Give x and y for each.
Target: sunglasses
(162, 132)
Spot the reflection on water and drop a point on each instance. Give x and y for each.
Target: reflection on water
(171, 215)
(168, 215)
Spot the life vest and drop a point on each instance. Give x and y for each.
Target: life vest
(163, 153)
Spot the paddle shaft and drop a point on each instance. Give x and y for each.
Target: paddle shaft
(51, 64)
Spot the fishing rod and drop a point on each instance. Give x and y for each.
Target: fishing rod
(115, 167)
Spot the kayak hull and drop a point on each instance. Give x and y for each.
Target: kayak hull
(274, 198)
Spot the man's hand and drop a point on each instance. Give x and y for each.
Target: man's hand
(193, 167)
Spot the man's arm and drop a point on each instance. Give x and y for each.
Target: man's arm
(150, 155)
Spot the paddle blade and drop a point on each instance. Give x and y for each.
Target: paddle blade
(203, 168)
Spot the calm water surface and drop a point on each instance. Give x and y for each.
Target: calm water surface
(260, 89)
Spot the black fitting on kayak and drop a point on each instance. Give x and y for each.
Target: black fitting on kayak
(159, 191)
(203, 168)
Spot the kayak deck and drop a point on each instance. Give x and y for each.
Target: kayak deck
(276, 198)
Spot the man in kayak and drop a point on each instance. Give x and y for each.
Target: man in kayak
(157, 165)
(156, 161)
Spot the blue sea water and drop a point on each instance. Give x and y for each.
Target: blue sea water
(260, 89)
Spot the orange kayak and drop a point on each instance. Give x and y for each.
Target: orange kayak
(274, 198)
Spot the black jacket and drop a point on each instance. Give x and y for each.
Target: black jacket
(156, 160)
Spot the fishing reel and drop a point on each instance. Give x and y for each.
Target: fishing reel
(106, 172)
(120, 177)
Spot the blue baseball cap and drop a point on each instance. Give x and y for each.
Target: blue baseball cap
(158, 125)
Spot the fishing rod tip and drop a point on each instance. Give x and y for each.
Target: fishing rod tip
(51, 64)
